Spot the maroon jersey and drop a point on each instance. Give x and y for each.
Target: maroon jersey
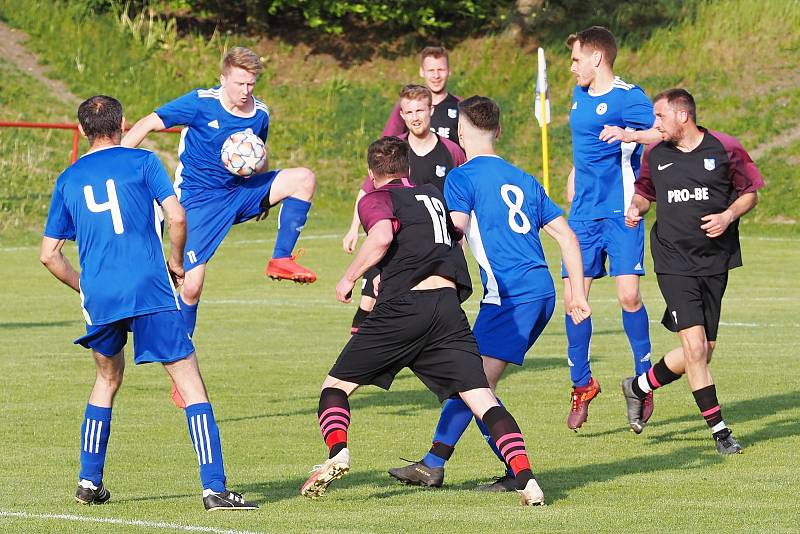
(444, 121)
(687, 186)
(425, 241)
(433, 167)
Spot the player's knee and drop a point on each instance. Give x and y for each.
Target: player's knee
(191, 290)
(630, 299)
(696, 351)
(110, 378)
(307, 182)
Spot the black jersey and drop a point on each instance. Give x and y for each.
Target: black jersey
(425, 241)
(687, 186)
(432, 168)
(444, 121)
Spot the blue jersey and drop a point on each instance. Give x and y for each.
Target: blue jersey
(208, 124)
(507, 207)
(605, 173)
(105, 201)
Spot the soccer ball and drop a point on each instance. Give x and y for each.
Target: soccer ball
(244, 154)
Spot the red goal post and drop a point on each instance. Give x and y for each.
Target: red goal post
(76, 135)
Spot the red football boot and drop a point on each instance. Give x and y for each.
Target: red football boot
(289, 269)
(581, 397)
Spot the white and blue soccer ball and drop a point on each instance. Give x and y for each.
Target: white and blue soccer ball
(244, 154)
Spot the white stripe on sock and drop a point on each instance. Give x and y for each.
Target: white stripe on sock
(91, 434)
(86, 436)
(194, 438)
(644, 385)
(208, 441)
(200, 441)
(719, 426)
(97, 443)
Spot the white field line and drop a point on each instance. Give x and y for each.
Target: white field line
(341, 235)
(132, 523)
(233, 242)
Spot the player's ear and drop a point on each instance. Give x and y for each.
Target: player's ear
(371, 174)
(421, 72)
(80, 129)
(597, 58)
(497, 133)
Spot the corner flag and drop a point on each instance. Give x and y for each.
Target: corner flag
(542, 113)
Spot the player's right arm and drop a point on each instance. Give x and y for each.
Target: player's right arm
(175, 216)
(578, 308)
(139, 131)
(51, 256)
(379, 238)
(351, 237)
(644, 192)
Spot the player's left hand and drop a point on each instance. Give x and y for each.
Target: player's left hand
(176, 272)
(716, 223)
(579, 309)
(612, 134)
(376, 284)
(344, 290)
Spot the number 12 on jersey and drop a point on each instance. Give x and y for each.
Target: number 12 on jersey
(438, 218)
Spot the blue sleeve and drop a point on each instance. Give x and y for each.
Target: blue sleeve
(157, 179)
(638, 110)
(264, 131)
(458, 192)
(59, 223)
(548, 210)
(179, 111)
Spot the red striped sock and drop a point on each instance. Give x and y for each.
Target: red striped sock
(334, 419)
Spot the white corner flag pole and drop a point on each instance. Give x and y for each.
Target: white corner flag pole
(542, 112)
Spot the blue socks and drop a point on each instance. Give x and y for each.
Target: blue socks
(204, 433)
(95, 430)
(291, 219)
(189, 314)
(453, 421)
(578, 337)
(637, 328)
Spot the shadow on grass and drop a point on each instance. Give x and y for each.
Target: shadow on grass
(43, 324)
(399, 403)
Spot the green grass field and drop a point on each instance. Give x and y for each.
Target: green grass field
(264, 348)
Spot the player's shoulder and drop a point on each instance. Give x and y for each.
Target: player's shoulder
(728, 141)
(452, 147)
(260, 106)
(209, 93)
(628, 90)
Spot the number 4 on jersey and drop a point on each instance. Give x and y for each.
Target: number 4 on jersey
(111, 205)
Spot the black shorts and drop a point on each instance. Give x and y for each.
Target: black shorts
(693, 300)
(367, 287)
(425, 331)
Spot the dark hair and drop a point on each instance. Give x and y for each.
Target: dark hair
(100, 116)
(596, 38)
(482, 112)
(679, 99)
(388, 156)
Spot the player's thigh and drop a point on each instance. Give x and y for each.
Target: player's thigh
(507, 332)
(208, 221)
(450, 361)
(160, 337)
(684, 299)
(248, 199)
(590, 239)
(107, 340)
(388, 339)
(624, 246)
(713, 288)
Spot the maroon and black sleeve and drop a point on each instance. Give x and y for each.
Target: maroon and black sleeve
(456, 152)
(377, 206)
(742, 172)
(644, 183)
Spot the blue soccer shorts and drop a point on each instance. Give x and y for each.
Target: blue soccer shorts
(609, 238)
(157, 337)
(508, 331)
(210, 214)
